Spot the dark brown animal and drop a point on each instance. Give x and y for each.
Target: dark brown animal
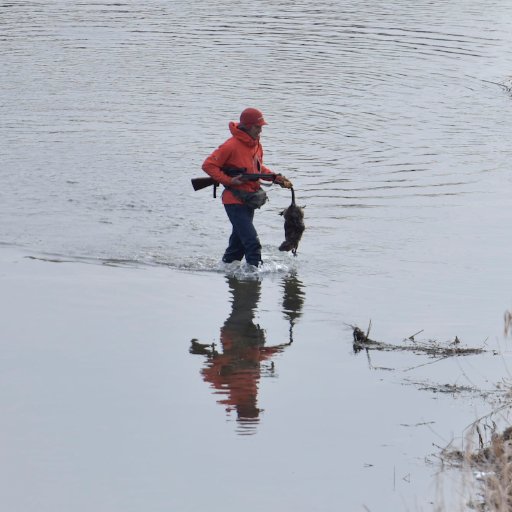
(293, 226)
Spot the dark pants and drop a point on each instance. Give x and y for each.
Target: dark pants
(244, 240)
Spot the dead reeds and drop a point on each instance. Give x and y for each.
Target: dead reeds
(487, 469)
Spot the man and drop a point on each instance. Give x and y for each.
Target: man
(242, 151)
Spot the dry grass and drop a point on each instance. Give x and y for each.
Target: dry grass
(491, 472)
(493, 463)
(486, 461)
(485, 464)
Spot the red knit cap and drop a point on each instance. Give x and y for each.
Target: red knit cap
(252, 117)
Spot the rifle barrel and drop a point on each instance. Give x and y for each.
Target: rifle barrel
(200, 183)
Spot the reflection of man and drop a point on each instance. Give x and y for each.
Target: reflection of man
(236, 371)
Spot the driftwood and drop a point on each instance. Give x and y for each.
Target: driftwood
(432, 348)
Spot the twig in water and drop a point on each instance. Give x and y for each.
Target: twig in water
(369, 327)
(425, 364)
(415, 334)
(480, 438)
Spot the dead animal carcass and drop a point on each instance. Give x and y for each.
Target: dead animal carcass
(293, 226)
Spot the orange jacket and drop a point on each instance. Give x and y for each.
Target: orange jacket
(240, 151)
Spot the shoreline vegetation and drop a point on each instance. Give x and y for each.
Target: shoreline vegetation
(485, 462)
(489, 464)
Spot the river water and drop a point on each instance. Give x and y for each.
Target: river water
(392, 120)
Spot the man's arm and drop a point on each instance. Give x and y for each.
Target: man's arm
(275, 177)
(213, 164)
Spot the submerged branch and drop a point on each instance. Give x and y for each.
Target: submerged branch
(432, 348)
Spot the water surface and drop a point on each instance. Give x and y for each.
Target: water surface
(392, 124)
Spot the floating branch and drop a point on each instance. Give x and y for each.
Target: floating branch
(432, 348)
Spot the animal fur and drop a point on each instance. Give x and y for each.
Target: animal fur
(293, 226)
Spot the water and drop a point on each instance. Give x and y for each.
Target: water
(393, 126)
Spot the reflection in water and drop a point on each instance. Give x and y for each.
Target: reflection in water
(293, 300)
(235, 371)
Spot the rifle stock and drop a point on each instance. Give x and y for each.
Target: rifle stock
(200, 183)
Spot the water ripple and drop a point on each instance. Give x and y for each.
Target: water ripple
(109, 108)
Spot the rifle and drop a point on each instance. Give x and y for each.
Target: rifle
(200, 183)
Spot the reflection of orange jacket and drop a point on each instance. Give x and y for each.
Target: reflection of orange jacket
(236, 372)
(240, 151)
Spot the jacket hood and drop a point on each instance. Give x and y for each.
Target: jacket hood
(241, 135)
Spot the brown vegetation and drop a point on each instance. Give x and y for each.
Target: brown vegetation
(487, 470)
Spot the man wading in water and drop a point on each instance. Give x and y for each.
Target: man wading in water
(241, 195)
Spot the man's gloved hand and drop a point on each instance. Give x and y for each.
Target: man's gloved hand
(283, 181)
(237, 180)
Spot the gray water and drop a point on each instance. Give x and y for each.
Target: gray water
(393, 122)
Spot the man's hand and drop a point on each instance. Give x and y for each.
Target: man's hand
(237, 180)
(283, 181)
